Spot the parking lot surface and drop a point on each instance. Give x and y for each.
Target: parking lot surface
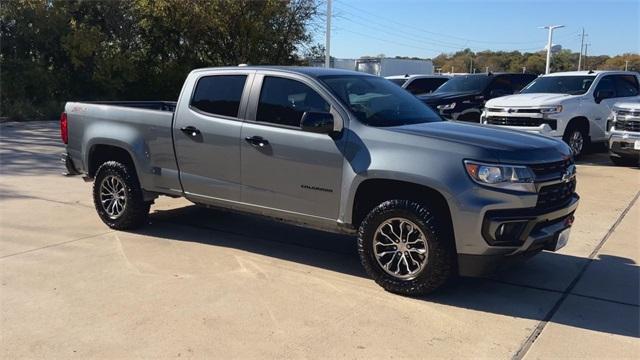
(199, 283)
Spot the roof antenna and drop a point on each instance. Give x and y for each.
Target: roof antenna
(590, 72)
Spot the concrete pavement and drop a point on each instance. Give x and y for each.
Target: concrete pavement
(200, 283)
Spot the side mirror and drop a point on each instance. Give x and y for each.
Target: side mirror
(317, 122)
(603, 94)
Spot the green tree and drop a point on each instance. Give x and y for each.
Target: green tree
(58, 50)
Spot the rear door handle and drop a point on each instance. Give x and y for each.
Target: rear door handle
(190, 130)
(257, 141)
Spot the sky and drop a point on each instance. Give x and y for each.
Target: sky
(427, 28)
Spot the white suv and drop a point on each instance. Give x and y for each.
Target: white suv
(572, 105)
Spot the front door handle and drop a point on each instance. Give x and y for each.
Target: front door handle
(190, 130)
(257, 141)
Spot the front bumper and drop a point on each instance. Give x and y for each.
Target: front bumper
(622, 143)
(539, 231)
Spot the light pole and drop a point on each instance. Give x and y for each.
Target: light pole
(327, 46)
(550, 28)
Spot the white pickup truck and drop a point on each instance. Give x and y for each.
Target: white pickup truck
(572, 105)
(624, 133)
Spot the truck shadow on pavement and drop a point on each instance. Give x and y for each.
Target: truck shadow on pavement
(526, 296)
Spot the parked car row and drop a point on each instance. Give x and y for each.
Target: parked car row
(572, 106)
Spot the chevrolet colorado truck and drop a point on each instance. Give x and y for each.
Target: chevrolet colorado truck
(624, 133)
(573, 106)
(335, 150)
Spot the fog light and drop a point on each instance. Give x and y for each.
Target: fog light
(510, 232)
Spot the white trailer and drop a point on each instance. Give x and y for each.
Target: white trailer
(392, 66)
(381, 66)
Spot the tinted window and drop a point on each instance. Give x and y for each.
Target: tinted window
(520, 81)
(219, 95)
(500, 86)
(378, 102)
(283, 101)
(607, 83)
(465, 83)
(572, 85)
(425, 86)
(626, 85)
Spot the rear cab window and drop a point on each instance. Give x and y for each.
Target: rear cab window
(218, 95)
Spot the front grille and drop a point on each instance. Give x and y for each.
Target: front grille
(515, 110)
(632, 113)
(556, 195)
(551, 171)
(520, 121)
(627, 125)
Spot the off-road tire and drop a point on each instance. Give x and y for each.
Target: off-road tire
(136, 210)
(440, 266)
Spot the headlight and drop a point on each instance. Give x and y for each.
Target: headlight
(447, 106)
(611, 121)
(551, 109)
(509, 177)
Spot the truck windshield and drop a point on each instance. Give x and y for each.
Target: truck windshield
(465, 83)
(572, 85)
(378, 102)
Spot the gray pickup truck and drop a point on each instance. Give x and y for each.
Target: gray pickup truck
(335, 150)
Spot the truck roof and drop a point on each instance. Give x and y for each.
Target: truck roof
(305, 70)
(590, 72)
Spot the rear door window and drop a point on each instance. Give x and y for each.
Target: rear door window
(219, 94)
(626, 85)
(284, 101)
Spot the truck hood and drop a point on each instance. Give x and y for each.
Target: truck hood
(507, 146)
(530, 100)
(447, 97)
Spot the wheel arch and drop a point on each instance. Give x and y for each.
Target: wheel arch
(372, 192)
(579, 121)
(100, 153)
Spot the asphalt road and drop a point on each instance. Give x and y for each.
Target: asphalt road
(199, 283)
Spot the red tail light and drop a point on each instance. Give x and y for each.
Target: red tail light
(64, 130)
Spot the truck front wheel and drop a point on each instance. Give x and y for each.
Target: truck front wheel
(405, 248)
(577, 138)
(118, 198)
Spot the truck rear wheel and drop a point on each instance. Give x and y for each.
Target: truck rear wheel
(118, 198)
(405, 249)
